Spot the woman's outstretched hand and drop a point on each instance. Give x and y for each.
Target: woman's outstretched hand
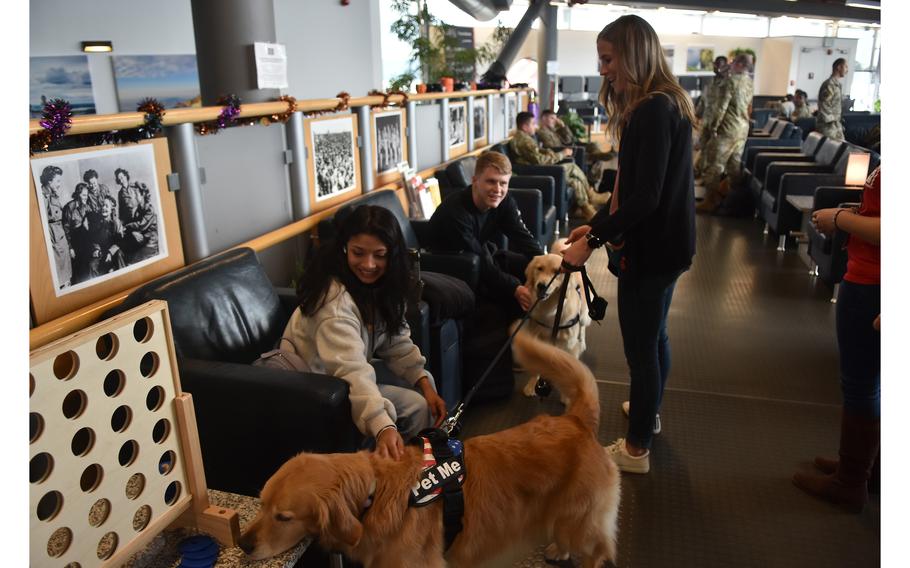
(434, 401)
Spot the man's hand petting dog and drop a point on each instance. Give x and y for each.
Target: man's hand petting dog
(523, 295)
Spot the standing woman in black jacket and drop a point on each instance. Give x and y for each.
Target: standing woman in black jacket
(650, 224)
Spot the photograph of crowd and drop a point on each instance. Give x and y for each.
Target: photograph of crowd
(333, 156)
(457, 124)
(480, 120)
(100, 214)
(388, 140)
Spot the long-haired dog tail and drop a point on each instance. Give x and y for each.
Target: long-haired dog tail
(572, 377)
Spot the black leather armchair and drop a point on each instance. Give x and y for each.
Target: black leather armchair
(807, 147)
(224, 314)
(561, 196)
(533, 194)
(770, 166)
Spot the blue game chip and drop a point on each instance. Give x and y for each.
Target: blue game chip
(194, 543)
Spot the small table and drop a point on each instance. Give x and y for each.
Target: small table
(803, 204)
(162, 552)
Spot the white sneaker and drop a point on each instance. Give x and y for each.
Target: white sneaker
(656, 430)
(626, 461)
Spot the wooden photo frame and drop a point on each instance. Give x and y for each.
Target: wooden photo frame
(458, 129)
(511, 110)
(333, 161)
(389, 144)
(481, 122)
(77, 255)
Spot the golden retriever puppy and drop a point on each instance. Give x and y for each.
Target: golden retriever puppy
(548, 478)
(574, 319)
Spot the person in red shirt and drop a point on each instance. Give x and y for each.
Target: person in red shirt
(859, 342)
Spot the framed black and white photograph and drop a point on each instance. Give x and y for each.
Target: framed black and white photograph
(480, 122)
(333, 162)
(458, 128)
(389, 144)
(102, 221)
(511, 112)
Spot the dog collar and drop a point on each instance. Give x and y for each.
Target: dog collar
(574, 321)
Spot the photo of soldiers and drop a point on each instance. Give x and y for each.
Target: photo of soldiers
(333, 156)
(458, 128)
(388, 141)
(99, 220)
(480, 119)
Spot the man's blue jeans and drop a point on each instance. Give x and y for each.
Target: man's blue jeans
(644, 302)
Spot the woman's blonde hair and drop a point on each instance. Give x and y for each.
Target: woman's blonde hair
(644, 68)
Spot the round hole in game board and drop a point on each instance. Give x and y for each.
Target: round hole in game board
(31, 385)
(73, 565)
(99, 512)
(114, 383)
(128, 453)
(40, 467)
(161, 431)
(49, 505)
(66, 365)
(154, 399)
(106, 346)
(35, 426)
(120, 419)
(59, 542)
(167, 462)
(148, 365)
(172, 493)
(91, 477)
(134, 485)
(143, 330)
(74, 404)
(142, 517)
(83, 441)
(107, 545)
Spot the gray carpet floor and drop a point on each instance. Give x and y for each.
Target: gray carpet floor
(753, 395)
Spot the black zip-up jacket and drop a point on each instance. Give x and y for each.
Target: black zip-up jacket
(656, 214)
(457, 225)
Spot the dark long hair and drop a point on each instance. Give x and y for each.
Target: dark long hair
(385, 299)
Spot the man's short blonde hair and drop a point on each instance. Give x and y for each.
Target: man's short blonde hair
(495, 160)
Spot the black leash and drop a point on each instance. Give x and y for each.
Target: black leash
(597, 309)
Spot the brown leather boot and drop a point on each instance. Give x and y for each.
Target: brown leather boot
(859, 443)
(829, 465)
(595, 198)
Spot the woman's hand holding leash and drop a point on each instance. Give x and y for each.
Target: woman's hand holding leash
(578, 252)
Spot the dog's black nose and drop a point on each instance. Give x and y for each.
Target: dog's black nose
(541, 289)
(247, 544)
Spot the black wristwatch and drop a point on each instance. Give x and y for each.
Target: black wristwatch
(593, 241)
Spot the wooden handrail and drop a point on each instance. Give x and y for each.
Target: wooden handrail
(86, 124)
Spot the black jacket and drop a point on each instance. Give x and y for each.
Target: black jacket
(457, 225)
(656, 214)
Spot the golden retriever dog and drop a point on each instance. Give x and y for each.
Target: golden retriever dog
(574, 319)
(546, 479)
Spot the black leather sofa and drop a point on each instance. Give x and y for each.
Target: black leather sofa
(224, 314)
(768, 167)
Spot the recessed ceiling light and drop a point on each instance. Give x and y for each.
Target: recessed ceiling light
(97, 46)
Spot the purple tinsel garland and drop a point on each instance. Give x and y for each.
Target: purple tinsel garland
(230, 112)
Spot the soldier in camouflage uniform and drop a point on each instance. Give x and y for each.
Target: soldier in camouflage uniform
(706, 103)
(801, 105)
(830, 102)
(525, 150)
(728, 127)
(553, 134)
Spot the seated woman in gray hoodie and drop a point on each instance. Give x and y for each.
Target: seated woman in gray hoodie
(352, 304)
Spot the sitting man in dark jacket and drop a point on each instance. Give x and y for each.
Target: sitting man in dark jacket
(477, 216)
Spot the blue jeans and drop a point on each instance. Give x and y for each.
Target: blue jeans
(643, 306)
(860, 347)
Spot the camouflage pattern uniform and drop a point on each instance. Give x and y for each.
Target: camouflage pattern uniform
(729, 122)
(801, 111)
(527, 152)
(561, 137)
(830, 100)
(706, 104)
